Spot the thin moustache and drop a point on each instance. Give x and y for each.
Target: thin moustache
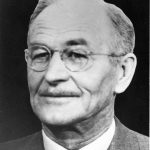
(60, 94)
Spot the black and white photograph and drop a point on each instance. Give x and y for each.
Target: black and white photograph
(74, 75)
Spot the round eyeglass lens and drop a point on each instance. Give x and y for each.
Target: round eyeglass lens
(75, 60)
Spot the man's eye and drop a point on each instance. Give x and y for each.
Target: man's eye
(40, 57)
(76, 55)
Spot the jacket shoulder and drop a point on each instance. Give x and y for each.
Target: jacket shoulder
(142, 140)
(127, 139)
(26, 143)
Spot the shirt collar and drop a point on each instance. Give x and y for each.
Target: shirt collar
(102, 142)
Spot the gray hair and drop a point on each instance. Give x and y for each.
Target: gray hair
(124, 36)
(42, 4)
(123, 40)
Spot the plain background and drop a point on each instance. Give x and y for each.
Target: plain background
(16, 116)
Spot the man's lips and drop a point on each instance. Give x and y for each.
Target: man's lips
(60, 94)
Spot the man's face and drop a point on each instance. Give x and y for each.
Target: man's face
(59, 96)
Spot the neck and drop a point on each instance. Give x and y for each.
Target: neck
(77, 135)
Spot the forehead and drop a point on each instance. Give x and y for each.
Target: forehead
(72, 19)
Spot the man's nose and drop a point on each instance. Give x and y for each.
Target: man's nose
(56, 71)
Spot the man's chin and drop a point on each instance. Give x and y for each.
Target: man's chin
(57, 119)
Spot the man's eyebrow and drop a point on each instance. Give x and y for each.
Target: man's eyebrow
(75, 42)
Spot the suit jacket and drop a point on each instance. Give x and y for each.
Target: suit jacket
(124, 139)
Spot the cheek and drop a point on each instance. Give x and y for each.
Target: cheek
(93, 79)
(34, 81)
(97, 85)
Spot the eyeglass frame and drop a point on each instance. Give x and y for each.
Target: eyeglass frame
(89, 53)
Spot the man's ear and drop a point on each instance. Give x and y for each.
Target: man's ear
(126, 72)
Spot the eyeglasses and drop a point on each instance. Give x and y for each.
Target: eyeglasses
(75, 59)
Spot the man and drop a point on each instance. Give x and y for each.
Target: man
(79, 56)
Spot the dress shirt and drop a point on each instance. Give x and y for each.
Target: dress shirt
(101, 143)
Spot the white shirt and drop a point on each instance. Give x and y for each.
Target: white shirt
(102, 142)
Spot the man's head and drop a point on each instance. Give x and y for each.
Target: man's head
(63, 92)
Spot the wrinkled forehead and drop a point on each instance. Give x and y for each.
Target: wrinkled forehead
(80, 15)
